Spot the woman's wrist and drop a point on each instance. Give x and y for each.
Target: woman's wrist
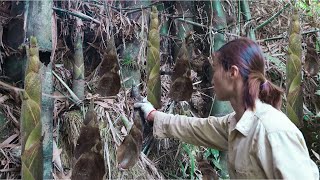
(151, 115)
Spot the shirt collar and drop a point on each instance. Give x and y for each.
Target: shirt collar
(247, 120)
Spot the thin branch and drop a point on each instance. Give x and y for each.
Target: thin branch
(140, 8)
(281, 37)
(177, 16)
(74, 97)
(193, 23)
(272, 17)
(10, 87)
(125, 9)
(77, 14)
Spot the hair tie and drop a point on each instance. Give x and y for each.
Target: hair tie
(263, 85)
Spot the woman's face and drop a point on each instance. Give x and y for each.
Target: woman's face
(221, 82)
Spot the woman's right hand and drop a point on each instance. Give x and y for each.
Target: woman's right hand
(147, 109)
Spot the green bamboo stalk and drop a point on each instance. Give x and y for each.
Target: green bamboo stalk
(272, 17)
(47, 121)
(217, 22)
(130, 55)
(31, 135)
(153, 61)
(78, 66)
(219, 108)
(294, 76)
(245, 9)
(39, 22)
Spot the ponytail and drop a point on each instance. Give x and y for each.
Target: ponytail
(248, 57)
(258, 86)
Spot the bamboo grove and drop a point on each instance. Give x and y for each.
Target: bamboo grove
(80, 96)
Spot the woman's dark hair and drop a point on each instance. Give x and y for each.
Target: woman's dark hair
(248, 57)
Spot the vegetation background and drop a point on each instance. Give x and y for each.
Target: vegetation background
(92, 52)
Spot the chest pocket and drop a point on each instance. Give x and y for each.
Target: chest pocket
(248, 169)
(246, 174)
(245, 165)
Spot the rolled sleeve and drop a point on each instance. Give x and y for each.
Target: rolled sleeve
(210, 132)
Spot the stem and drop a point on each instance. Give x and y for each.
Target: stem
(281, 37)
(193, 23)
(77, 14)
(47, 107)
(74, 97)
(10, 87)
(272, 17)
(245, 9)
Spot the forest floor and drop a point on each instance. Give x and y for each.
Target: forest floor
(165, 158)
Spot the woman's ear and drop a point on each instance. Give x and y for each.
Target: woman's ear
(234, 71)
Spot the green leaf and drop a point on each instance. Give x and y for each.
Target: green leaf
(207, 153)
(215, 153)
(217, 164)
(192, 165)
(302, 5)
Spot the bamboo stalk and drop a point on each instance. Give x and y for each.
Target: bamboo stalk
(219, 108)
(47, 122)
(272, 17)
(244, 6)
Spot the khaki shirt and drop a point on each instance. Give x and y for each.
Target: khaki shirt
(263, 144)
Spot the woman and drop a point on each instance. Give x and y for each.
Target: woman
(261, 141)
